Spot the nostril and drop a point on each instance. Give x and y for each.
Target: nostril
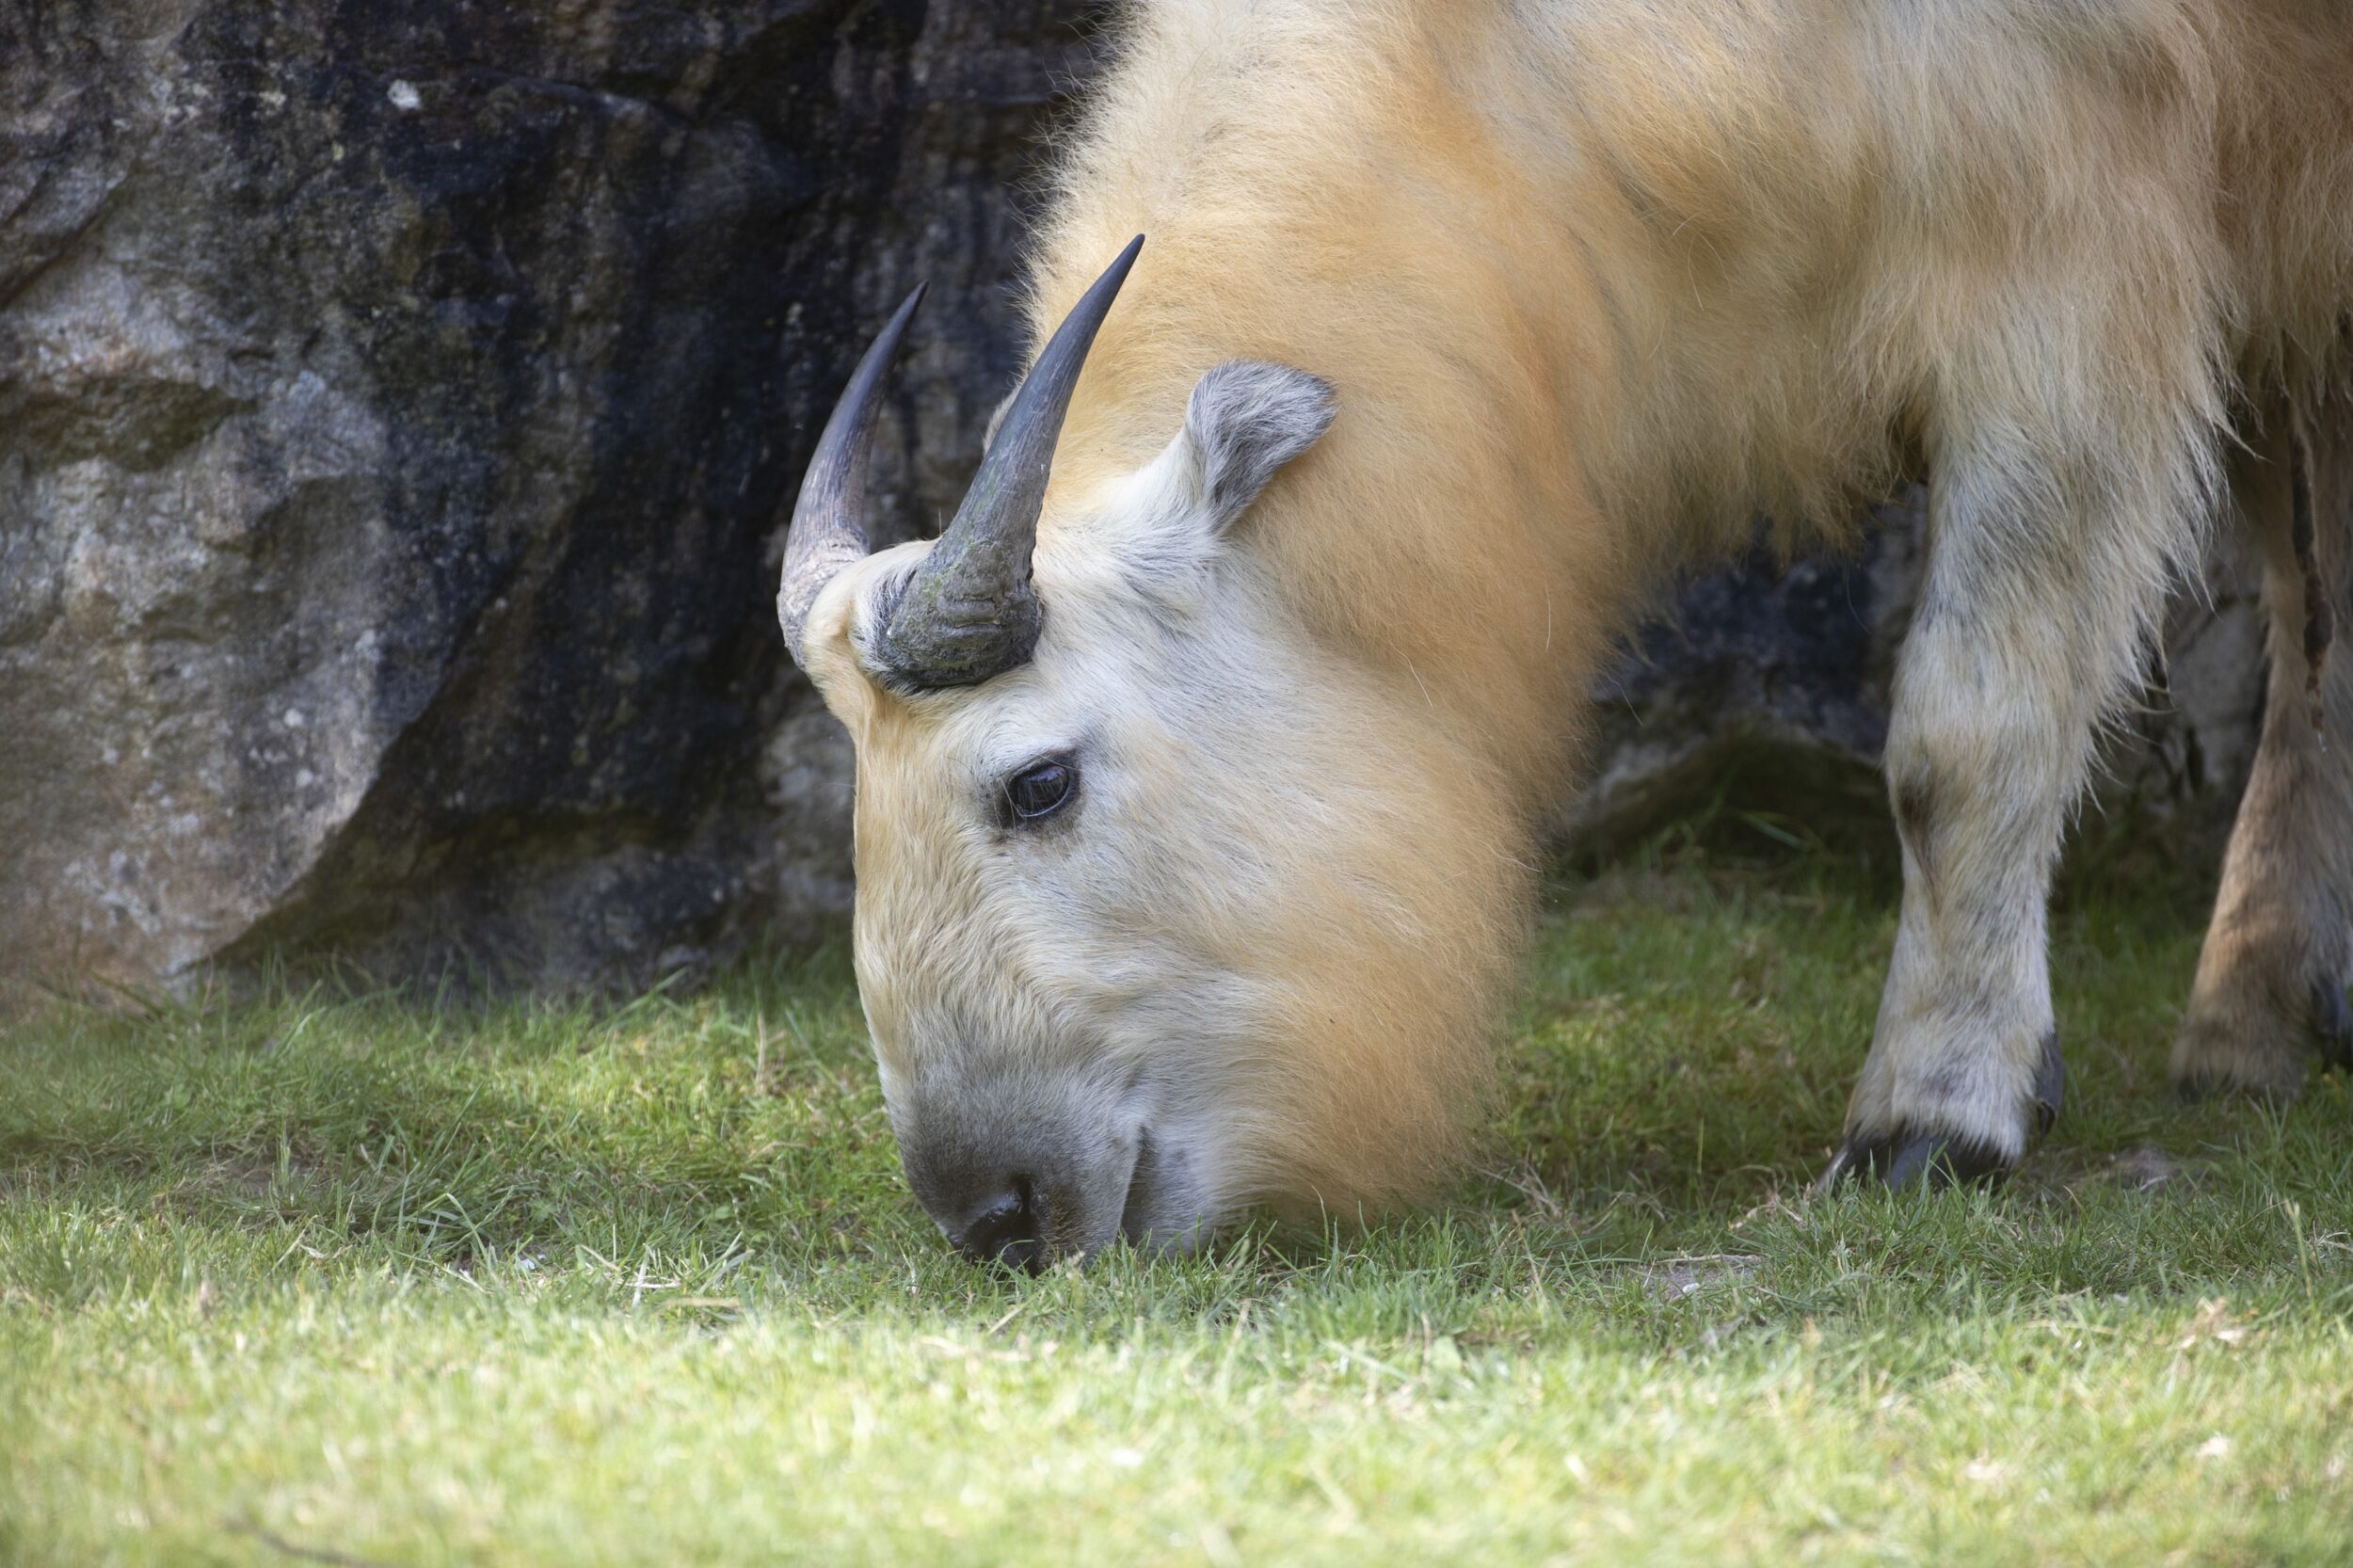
(1011, 1229)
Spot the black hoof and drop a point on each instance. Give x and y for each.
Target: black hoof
(2332, 1021)
(1931, 1162)
(1934, 1164)
(2049, 1084)
(2199, 1088)
(2331, 1025)
(1907, 1160)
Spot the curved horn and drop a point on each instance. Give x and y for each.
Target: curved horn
(969, 612)
(829, 530)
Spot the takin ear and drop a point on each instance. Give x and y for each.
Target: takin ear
(1245, 420)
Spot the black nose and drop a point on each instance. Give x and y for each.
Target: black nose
(1010, 1229)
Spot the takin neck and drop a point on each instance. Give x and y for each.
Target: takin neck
(1448, 533)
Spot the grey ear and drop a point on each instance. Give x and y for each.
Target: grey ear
(1245, 420)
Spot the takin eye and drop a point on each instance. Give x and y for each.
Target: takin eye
(1040, 789)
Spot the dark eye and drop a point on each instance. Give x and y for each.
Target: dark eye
(1041, 789)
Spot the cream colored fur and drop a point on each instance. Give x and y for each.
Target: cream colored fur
(1594, 281)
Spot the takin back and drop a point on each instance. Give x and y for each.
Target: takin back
(1204, 757)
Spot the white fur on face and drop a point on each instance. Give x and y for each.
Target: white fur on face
(1245, 962)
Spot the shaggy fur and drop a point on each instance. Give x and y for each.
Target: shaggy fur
(1593, 281)
(2271, 983)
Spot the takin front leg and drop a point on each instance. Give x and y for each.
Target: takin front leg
(2024, 637)
(2271, 981)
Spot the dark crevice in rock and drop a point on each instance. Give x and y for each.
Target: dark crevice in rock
(399, 404)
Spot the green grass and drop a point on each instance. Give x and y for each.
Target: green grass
(361, 1279)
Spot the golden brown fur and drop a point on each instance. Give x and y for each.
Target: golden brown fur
(2271, 980)
(1598, 281)
(1595, 280)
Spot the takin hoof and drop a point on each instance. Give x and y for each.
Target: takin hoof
(2265, 1056)
(2332, 1018)
(1928, 1161)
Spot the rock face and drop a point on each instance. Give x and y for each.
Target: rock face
(395, 401)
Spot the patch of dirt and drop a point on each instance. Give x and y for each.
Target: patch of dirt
(1678, 1277)
(2145, 1169)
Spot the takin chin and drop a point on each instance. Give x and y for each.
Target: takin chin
(1202, 758)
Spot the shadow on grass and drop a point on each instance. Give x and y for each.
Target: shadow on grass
(403, 1129)
(1673, 1078)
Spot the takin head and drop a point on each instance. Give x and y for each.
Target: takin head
(1164, 908)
